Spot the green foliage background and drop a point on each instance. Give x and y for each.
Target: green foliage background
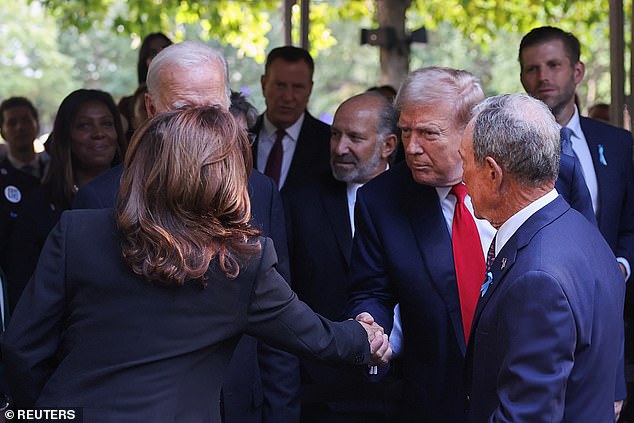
(51, 47)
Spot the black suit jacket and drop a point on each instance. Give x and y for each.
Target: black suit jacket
(572, 187)
(14, 185)
(263, 382)
(402, 254)
(90, 333)
(312, 153)
(34, 220)
(320, 245)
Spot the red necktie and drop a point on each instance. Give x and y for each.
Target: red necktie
(468, 258)
(274, 163)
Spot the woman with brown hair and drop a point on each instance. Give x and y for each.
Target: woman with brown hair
(133, 314)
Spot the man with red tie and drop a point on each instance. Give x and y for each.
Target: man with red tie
(292, 146)
(418, 244)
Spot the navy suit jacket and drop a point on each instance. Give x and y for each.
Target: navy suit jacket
(312, 152)
(547, 335)
(262, 383)
(615, 180)
(571, 185)
(88, 332)
(402, 253)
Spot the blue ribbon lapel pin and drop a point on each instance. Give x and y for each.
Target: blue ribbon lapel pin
(602, 155)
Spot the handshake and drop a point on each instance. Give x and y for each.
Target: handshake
(380, 348)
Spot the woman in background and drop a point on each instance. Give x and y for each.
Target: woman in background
(133, 313)
(87, 139)
(151, 46)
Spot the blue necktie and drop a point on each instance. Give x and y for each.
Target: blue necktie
(576, 193)
(488, 278)
(566, 141)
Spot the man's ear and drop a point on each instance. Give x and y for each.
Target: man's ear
(262, 82)
(150, 109)
(389, 145)
(579, 71)
(495, 172)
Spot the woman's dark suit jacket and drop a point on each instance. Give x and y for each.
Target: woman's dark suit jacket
(89, 333)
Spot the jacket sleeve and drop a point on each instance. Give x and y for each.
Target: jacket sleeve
(32, 339)
(370, 288)
(279, 318)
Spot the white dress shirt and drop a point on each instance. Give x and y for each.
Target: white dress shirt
(486, 232)
(266, 139)
(511, 226)
(581, 149)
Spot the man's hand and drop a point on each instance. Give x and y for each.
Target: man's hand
(618, 406)
(380, 348)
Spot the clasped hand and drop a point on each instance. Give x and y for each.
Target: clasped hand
(380, 348)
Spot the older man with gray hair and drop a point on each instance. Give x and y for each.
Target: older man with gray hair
(547, 336)
(417, 243)
(262, 383)
(320, 221)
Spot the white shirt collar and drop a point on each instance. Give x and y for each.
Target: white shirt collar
(351, 192)
(292, 131)
(575, 124)
(448, 206)
(511, 226)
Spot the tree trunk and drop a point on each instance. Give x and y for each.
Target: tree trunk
(394, 59)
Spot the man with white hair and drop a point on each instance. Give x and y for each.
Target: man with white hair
(261, 384)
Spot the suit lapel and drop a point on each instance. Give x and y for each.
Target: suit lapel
(594, 137)
(305, 151)
(434, 245)
(254, 147)
(335, 201)
(504, 262)
(505, 259)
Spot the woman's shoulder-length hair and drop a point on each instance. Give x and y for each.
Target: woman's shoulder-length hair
(61, 172)
(183, 198)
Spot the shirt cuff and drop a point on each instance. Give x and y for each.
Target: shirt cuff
(626, 264)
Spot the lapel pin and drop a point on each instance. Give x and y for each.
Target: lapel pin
(485, 285)
(503, 264)
(602, 156)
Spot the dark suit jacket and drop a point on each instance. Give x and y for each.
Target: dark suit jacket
(14, 185)
(572, 187)
(320, 245)
(547, 334)
(263, 382)
(616, 184)
(402, 253)
(90, 333)
(312, 153)
(34, 220)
